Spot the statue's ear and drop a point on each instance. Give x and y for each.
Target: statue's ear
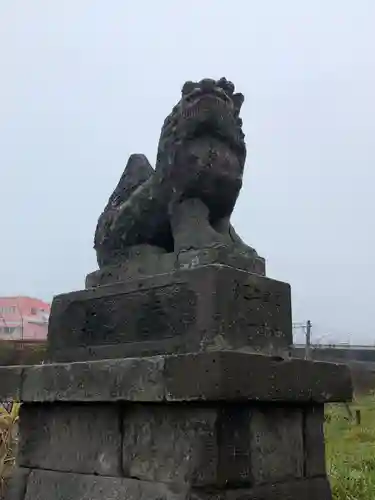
(138, 170)
(238, 100)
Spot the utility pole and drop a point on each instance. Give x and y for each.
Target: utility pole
(308, 340)
(21, 318)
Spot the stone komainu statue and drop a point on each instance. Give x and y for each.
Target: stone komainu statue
(186, 201)
(170, 377)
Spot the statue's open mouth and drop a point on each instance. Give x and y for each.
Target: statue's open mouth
(211, 115)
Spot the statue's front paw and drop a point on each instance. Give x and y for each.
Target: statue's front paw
(191, 228)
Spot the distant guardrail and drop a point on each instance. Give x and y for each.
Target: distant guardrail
(337, 346)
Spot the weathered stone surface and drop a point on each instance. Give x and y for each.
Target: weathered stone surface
(10, 383)
(211, 376)
(46, 485)
(228, 256)
(146, 310)
(306, 489)
(238, 376)
(314, 441)
(71, 438)
(15, 487)
(206, 308)
(171, 444)
(133, 379)
(254, 312)
(276, 444)
(234, 453)
(227, 444)
(69, 486)
(188, 444)
(193, 228)
(132, 268)
(200, 161)
(154, 263)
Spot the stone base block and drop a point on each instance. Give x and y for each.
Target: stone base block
(217, 445)
(208, 376)
(50, 485)
(15, 487)
(222, 425)
(170, 451)
(152, 263)
(212, 307)
(42, 485)
(71, 438)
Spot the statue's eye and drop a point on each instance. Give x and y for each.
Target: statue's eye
(188, 87)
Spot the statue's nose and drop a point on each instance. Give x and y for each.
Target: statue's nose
(207, 84)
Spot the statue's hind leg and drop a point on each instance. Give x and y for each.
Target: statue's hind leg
(116, 237)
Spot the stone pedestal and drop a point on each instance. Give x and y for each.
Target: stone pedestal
(204, 308)
(209, 406)
(148, 265)
(220, 424)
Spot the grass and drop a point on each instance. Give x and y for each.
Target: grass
(8, 442)
(351, 451)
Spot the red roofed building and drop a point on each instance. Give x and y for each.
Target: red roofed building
(23, 318)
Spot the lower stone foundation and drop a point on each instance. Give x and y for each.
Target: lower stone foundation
(120, 429)
(46, 485)
(213, 445)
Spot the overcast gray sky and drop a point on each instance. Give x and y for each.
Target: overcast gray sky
(85, 83)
